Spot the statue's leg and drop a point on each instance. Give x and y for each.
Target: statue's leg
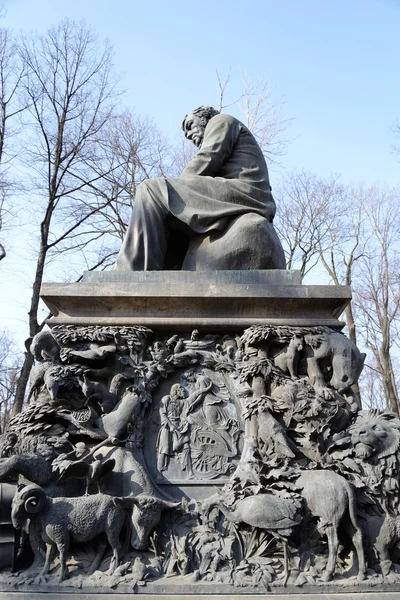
(333, 543)
(145, 243)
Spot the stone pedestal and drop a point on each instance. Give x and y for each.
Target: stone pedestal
(185, 300)
(208, 393)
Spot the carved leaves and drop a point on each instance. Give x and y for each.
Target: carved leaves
(253, 412)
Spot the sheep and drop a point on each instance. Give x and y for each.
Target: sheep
(58, 520)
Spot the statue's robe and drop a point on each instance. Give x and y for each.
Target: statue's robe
(228, 177)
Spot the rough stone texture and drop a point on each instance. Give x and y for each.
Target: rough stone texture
(227, 439)
(295, 595)
(250, 276)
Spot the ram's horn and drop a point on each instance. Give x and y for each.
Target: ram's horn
(34, 499)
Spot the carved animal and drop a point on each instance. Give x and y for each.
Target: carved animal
(29, 457)
(54, 376)
(382, 533)
(375, 438)
(130, 479)
(37, 375)
(44, 346)
(95, 391)
(7, 444)
(116, 422)
(288, 359)
(375, 435)
(32, 467)
(330, 497)
(95, 351)
(93, 472)
(344, 357)
(271, 434)
(146, 516)
(58, 520)
(276, 514)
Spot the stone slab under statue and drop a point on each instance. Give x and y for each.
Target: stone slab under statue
(195, 432)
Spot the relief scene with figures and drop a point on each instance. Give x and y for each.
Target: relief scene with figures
(197, 460)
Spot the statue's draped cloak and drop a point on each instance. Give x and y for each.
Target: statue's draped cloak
(228, 177)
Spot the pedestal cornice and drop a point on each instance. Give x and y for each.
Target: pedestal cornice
(223, 299)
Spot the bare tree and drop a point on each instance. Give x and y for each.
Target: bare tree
(396, 131)
(181, 155)
(130, 149)
(343, 248)
(346, 239)
(377, 287)
(308, 206)
(10, 363)
(262, 110)
(353, 232)
(69, 90)
(3, 214)
(371, 389)
(11, 74)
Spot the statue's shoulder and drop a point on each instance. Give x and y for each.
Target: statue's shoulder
(222, 118)
(224, 125)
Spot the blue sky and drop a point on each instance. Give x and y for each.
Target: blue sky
(334, 61)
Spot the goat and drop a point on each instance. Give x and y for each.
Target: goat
(330, 497)
(58, 520)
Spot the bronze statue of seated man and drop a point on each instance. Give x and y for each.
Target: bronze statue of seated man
(217, 215)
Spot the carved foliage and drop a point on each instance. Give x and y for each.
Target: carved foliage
(153, 423)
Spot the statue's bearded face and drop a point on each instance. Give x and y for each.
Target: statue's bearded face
(194, 129)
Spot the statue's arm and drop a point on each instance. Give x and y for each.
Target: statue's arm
(164, 412)
(220, 137)
(196, 397)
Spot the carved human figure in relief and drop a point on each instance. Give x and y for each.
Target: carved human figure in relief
(174, 435)
(213, 421)
(226, 180)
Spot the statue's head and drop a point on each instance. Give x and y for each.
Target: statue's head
(177, 392)
(194, 123)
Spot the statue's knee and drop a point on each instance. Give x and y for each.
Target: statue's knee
(143, 194)
(148, 190)
(151, 184)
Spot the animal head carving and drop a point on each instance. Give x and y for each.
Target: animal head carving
(375, 435)
(7, 444)
(28, 501)
(146, 515)
(347, 364)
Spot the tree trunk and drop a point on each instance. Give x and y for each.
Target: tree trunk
(388, 383)
(351, 326)
(22, 384)
(34, 326)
